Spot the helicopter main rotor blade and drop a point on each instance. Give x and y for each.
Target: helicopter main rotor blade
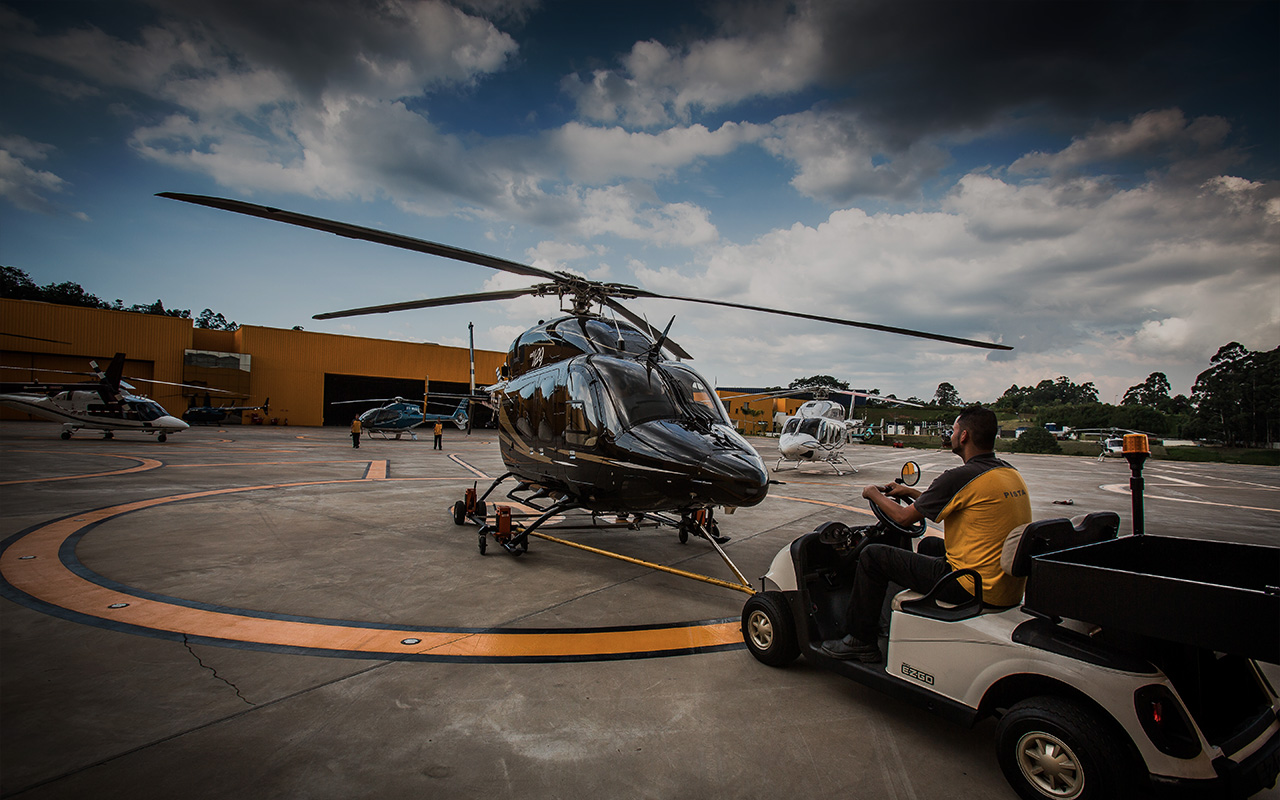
(183, 385)
(654, 333)
(835, 320)
(366, 234)
(35, 338)
(431, 302)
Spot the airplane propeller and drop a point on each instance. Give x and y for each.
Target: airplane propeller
(583, 292)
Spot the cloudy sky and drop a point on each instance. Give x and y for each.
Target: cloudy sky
(1092, 183)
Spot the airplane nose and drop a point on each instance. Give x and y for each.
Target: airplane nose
(737, 479)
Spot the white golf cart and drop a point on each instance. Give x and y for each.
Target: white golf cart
(1130, 661)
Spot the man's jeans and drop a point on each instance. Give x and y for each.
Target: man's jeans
(878, 566)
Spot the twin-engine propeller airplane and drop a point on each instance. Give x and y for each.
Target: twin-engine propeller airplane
(105, 404)
(591, 415)
(400, 415)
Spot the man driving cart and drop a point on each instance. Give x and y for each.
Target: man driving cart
(978, 504)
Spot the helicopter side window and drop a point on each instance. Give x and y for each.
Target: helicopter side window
(523, 406)
(582, 420)
(639, 394)
(551, 404)
(792, 425)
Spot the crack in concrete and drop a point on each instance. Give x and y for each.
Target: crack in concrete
(199, 661)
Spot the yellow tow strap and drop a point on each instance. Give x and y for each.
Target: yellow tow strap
(704, 578)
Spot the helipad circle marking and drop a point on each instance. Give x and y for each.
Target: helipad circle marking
(144, 464)
(59, 584)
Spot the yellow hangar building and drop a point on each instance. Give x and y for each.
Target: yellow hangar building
(302, 372)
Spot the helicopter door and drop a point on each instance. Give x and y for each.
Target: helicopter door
(551, 405)
(582, 416)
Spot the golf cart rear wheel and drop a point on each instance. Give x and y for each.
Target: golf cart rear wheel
(1053, 748)
(768, 629)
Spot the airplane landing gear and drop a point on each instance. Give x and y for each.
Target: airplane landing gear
(66, 434)
(108, 435)
(162, 438)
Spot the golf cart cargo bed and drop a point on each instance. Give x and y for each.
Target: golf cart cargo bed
(1215, 595)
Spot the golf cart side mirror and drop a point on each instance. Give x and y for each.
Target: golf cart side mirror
(910, 474)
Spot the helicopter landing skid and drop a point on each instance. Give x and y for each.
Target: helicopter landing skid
(834, 462)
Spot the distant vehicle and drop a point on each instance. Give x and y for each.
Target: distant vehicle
(400, 416)
(106, 403)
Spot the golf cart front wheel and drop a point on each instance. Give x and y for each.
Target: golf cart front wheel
(768, 629)
(1053, 748)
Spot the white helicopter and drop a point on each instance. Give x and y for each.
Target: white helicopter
(1111, 440)
(820, 429)
(105, 404)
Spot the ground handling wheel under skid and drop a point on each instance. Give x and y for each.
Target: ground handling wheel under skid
(515, 542)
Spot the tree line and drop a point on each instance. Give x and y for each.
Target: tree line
(17, 285)
(1235, 402)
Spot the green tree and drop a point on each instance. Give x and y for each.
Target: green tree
(1036, 440)
(819, 380)
(216, 322)
(946, 395)
(1022, 399)
(1237, 400)
(16, 284)
(1153, 392)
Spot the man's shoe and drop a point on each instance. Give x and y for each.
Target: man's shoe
(851, 649)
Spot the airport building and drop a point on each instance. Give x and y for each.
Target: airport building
(302, 372)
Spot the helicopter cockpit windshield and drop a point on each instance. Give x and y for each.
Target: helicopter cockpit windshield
(810, 426)
(642, 393)
(147, 410)
(694, 390)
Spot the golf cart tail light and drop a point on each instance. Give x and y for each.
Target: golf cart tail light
(1165, 723)
(1136, 443)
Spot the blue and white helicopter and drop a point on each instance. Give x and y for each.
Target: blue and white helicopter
(400, 416)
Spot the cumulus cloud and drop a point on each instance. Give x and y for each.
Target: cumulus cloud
(1166, 135)
(23, 185)
(1085, 279)
(839, 160)
(594, 155)
(656, 84)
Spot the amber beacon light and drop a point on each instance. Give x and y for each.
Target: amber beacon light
(1136, 451)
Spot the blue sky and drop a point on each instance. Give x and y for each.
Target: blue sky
(1092, 183)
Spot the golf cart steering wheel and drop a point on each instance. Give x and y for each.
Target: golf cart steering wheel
(910, 477)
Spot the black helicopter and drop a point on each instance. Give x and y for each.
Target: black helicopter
(209, 414)
(591, 415)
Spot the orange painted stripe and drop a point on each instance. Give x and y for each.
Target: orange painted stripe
(31, 565)
(144, 464)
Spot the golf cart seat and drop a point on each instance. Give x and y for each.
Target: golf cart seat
(1023, 542)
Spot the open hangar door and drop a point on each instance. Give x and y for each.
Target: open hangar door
(339, 388)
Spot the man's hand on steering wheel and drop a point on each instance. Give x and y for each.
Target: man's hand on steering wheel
(894, 516)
